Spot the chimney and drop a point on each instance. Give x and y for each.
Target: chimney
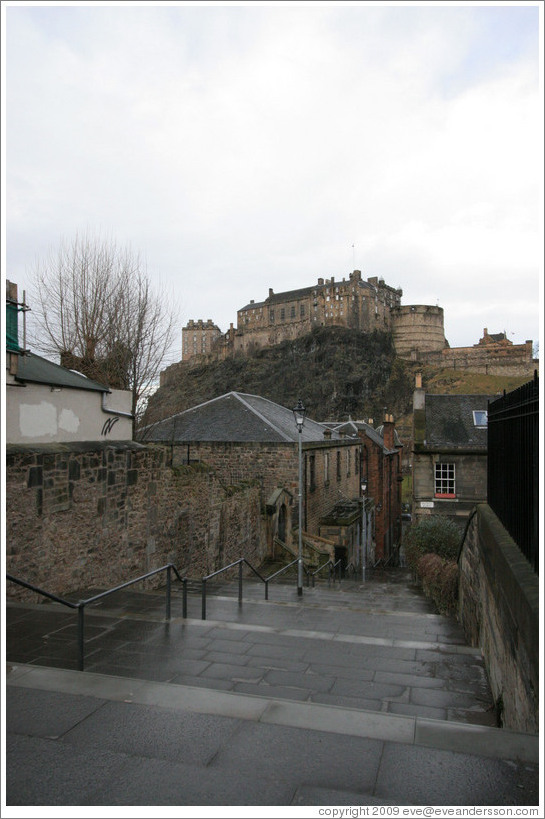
(271, 292)
(389, 441)
(418, 383)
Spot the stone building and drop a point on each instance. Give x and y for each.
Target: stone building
(355, 303)
(199, 338)
(417, 330)
(493, 355)
(381, 471)
(248, 438)
(449, 454)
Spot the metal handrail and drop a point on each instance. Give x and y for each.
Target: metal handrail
(281, 571)
(332, 570)
(80, 606)
(239, 563)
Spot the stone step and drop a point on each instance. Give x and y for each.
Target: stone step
(369, 646)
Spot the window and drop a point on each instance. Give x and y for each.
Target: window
(271, 316)
(292, 311)
(480, 418)
(302, 310)
(338, 465)
(312, 464)
(348, 462)
(326, 468)
(445, 485)
(282, 314)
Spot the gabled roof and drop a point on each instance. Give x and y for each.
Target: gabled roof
(38, 370)
(235, 417)
(450, 422)
(352, 428)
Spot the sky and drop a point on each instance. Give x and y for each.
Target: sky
(254, 145)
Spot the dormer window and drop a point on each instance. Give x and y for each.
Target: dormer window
(480, 419)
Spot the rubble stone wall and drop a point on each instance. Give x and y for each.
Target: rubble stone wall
(96, 515)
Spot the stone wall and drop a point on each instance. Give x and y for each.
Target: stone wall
(95, 515)
(418, 327)
(277, 464)
(499, 610)
(508, 360)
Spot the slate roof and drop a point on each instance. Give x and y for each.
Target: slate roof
(450, 424)
(38, 370)
(235, 417)
(351, 428)
(303, 292)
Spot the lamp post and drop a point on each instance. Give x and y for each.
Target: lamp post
(299, 415)
(363, 529)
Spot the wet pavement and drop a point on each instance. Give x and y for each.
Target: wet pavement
(317, 700)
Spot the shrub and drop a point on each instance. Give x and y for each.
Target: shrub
(435, 534)
(439, 579)
(431, 548)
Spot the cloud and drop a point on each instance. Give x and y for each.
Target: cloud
(241, 148)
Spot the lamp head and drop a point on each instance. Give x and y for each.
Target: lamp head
(299, 415)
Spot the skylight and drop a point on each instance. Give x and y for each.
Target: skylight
(480, 418)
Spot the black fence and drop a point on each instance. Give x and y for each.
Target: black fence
(513, 465)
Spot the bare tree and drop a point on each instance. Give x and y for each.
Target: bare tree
(94, 307)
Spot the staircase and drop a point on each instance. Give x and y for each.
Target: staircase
(356, 693)
(376, 645)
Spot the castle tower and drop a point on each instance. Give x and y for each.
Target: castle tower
(198, 338)
(418, 328)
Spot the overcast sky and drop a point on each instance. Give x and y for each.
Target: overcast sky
(251, 146)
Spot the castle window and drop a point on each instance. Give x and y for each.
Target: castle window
(282, 313)
(338, 465)
(326, 468)
(302, 310)
(292, 311)
(445, 482)
(271, 316)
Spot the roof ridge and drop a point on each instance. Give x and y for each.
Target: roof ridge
(239, 396)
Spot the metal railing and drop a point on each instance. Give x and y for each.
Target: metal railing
(240, 563)
(513, 465)
(80, 606)
(332, 571)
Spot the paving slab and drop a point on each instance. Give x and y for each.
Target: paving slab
(165, 744)
(282, 702)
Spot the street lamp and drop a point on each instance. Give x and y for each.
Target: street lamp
(363, 529)
(299, 415)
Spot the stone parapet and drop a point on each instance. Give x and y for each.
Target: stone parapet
(499, 610)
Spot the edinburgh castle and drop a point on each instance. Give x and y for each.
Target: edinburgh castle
(417, 330)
